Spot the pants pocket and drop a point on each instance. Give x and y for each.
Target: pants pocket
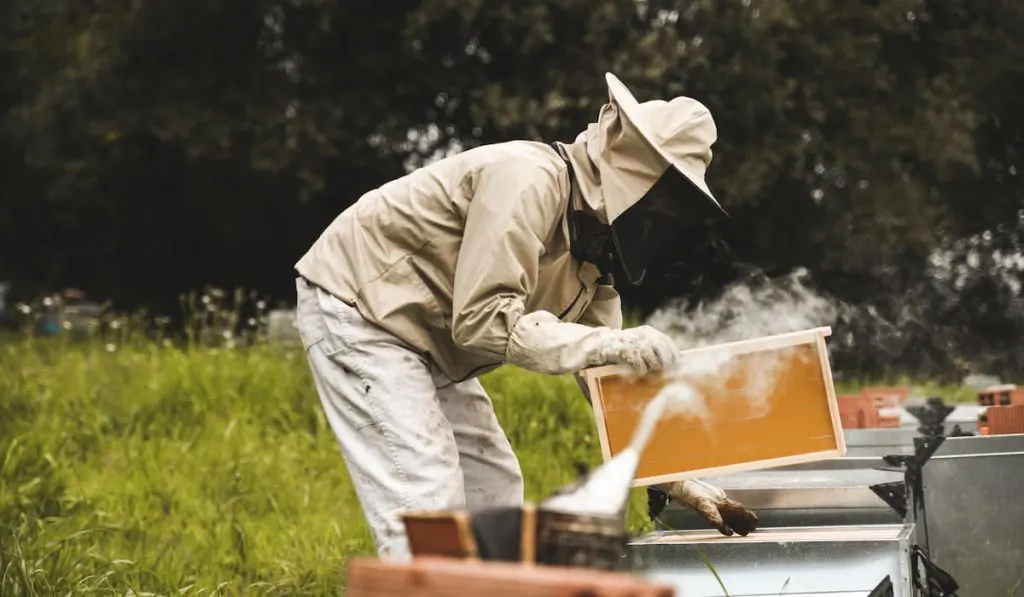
(308, 318)
(322, 319)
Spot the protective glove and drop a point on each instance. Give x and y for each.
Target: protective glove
(725, 514)
(543, 343)
(644, 349)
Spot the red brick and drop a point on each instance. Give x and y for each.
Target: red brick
(1003, 420)
(1001, 395)
(887, 397)
(858, 411)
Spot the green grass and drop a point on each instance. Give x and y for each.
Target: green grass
(175, 471)
(144, 469)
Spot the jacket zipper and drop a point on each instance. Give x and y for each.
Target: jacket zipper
(573, 303)
(476, 370)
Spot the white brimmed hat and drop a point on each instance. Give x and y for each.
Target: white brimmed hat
(680, 130)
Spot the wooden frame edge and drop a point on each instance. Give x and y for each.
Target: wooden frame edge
(754, 465)
(736, 348)
(833, 400)
(597, 406)
(466, 532)
(528, 534)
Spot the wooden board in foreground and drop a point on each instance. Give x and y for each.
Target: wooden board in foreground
(770, 403)
(441, 534)
(444, 577)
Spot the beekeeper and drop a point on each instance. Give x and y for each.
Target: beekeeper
(505, 253)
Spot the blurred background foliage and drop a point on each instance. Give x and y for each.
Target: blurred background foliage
(151, 147)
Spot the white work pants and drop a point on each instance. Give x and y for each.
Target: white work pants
(412, 440)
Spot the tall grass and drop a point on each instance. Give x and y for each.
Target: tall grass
(138, 468)
(135, 466)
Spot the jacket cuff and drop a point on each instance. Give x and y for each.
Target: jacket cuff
(543, 343)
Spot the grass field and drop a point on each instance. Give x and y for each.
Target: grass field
(132, 468)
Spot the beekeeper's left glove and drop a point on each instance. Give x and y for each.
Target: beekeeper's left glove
(725, 514)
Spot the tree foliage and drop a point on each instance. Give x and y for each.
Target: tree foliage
(150, 147)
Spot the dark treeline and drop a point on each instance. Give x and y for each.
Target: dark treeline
(152, 147)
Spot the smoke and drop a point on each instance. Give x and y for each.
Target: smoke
(678, 397)
(906, 330)
(752, 308)
(898, 331)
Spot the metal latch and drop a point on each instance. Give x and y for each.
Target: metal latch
(931, 416)
(937, 582)
(896, 494)
(657, 500)
(884, 588)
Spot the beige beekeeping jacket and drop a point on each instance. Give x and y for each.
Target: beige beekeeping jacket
(448, 257)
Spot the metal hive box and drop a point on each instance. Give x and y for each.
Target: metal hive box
(767, 402)
(819, 561)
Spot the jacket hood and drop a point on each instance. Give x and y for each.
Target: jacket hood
(612, 157)
(616, 161)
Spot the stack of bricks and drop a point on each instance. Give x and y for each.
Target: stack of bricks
(1005, 412)
(451, 577)
(1004, 395)
(888, 398)
(863, 411)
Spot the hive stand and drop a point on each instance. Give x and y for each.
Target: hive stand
(906, 498)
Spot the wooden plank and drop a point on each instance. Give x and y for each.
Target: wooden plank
(797, 419)
(438, 577)
(830, 395)
(528, 538)
(597, 405)
(442, 534)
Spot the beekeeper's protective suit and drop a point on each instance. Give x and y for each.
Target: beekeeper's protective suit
(499, 254)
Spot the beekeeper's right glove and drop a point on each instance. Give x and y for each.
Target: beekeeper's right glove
(541, 342)
(711, 502)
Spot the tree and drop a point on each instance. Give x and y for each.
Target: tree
(152, 147)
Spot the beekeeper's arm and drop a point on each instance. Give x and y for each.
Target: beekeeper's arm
(515, 207)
